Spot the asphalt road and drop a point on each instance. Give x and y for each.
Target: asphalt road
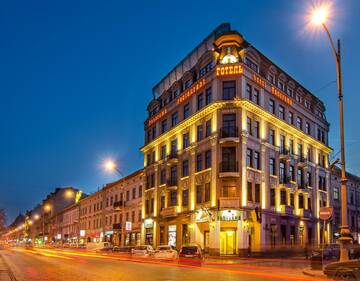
(53, 265)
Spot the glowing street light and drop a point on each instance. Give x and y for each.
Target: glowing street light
(36, 217)
(47, 207)
(111, 166)
(319, 16)
(69, 194)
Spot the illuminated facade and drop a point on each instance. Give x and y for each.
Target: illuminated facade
(235, 154)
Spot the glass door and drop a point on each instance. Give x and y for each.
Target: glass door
(227, 242)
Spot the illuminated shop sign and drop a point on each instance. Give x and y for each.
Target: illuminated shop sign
(229, 70)
(229, 215)
(128, 226)
(192, 90)
(259, 81)
(148, 223)
(277, 93)
(82, 233)
(158, 116)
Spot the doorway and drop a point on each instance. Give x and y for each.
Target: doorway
(228, 242)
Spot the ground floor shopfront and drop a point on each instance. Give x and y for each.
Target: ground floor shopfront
(233, 231)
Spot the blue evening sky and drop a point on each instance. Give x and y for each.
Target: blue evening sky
(76, 77)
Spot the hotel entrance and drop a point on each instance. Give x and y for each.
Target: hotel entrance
(228, 242)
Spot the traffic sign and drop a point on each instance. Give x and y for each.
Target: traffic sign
(326, 213)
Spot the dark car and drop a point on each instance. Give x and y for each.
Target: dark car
(331, 252)
(123, 249)
(348, 270)
(191, 254)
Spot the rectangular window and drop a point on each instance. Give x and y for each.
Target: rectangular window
(257, 193)
(249, 158)
(283, 200)
(291, 146)
(162, 176)
(291, 118)
(186, 110)
(163, 152)
(199, 194)
(249, 127)
(174, 119)
(281, 112)
(200, 101)
(272, 106)
(173, 198)
(299, 123)
(140, 191)
(291, 172)
(248, 91)
(249, 191)
(186, 140)
(134, 193)
(301, 201)
(272, 166)
(229, 126)
(208, 159)
(198, 162)
(185, 168)
(199, 132)
(208, 96)
(336, 193)
(229, 91)
(173, 175)
(164, 126)
(256, 96)
(272, 197)
(272, 136)
(307, 128)
(185, 197)
(257, 160)
(300, 178)
(256, 129)
(207, 191)
(208, 128)
(308, 179)
(282, 175)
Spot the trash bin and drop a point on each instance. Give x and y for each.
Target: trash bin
(316, 262)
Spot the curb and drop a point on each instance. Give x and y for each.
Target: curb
(314, 273)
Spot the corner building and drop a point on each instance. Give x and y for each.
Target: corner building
(235, 154)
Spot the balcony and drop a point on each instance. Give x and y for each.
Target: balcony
(118, 205)
(169, 212)
(284, 153)
(304, 213)
(173, 156)
(229, 134)
(286, 209)
(302, 161)
(229, 202)
(286, 181)
(171, 182)
(117, 226)
(302, 185)
(229, 169)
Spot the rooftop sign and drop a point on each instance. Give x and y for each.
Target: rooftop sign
(228, 70)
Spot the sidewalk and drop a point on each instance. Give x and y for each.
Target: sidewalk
(5, 272)
(314, 273)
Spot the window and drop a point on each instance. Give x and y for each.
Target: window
(199, 132)
(208, 159)
(208, 96)
(185, 197)
(185, 168)
(133, 216)
(173, 198)
(140, 191)
(248, 91)
(188, 83)
(292, 199)
(281, 112)
(174, 119)
(257, 160)
(300, 178)
(272, 197)
(249, 191)
(198, 162)
(248, 124)
(290, 92)
(249, 160)
(271, 78)
(173, 148)
(272, 166)
(336, 193)
(200, 101)
(251, 64)
(173, 175)
(282, 175)
(300, 151)
(208, 128)
(272, 136)
(299, 123)
(256, 96)
(301, 201)
(291, 146)
(272, 106)
(163, 152)
(164, 126)
(307, 128)
(186, 140)
(281, 86)
(206, 68)
(134, 193)
(229, 126)
(162, 176)
(283, 197)
(207, 192)
(257, 193)
(198, 194)
(186, 110)
(308, 179)
(256, 129)
(291, 118)
(291, 172)
(228, 90)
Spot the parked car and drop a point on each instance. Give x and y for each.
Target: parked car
(331, 252)
(107, 247)
(348, 270)
(191, 253)
(123, 249)
(165, 252)
(142, 250)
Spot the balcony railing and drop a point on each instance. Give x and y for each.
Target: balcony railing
(284, 151)
(302, 158)
(172, 155)
(169, 211)
(118, 205)
(229, 202)
(229, 132)
(229, 167)
(285, 180)
(286, 209)
(302, 185)
(172, 182)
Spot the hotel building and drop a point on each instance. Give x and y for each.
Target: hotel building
(235, 154)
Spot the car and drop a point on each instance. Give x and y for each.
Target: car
(165, 252)
(191, 254)
(123, 249)
(348, 270)
(330, 252)
(142, 250)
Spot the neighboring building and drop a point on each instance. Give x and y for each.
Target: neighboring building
(123, 210)
(236, 153)
(70, 231)
(353, 203)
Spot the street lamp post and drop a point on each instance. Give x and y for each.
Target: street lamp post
(319, 17)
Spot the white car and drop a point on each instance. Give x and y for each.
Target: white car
(142, 250)
(165, 252)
